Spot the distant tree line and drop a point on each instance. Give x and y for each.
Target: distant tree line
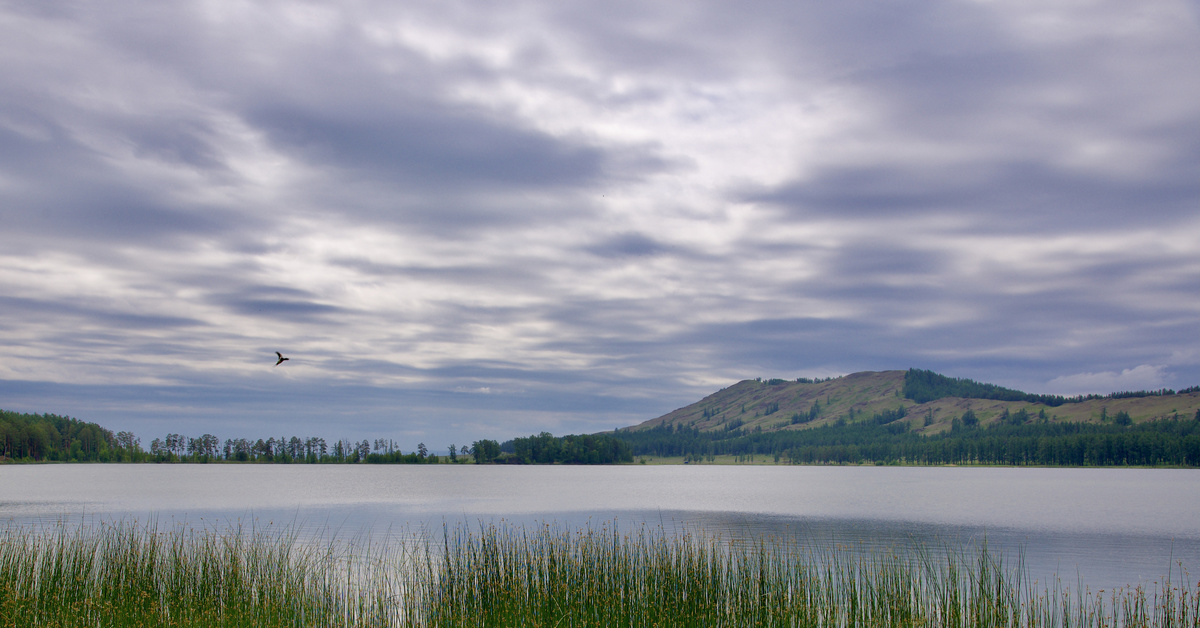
(1017, 438)
(282, 450)
(922, 386)
(545, 448)
(313, 450)
(49, 437)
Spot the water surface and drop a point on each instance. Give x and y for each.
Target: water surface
(1099, 527)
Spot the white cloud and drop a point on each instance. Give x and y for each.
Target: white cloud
(1142, 377)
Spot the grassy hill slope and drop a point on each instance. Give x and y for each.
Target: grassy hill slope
(921, 417)
(779, 405)
(772, 405)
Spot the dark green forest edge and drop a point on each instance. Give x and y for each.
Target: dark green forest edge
(915, 417)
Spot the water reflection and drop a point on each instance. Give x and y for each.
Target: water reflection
(1104, 528)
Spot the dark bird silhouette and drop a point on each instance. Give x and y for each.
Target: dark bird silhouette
(281, 358)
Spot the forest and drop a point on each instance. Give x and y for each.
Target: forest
(922, 386)
(51, 437)
(1019, 439)
(583, 449)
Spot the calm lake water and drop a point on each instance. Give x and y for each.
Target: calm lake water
(1099, 528)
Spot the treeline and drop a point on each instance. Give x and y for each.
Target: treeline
(545, 448)
(290, 450)
(922, 386)
(42, 437)
(49, 437)
(1017, 439)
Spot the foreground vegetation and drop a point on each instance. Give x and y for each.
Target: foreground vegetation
(128, 575)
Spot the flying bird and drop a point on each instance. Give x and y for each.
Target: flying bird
(281, 358)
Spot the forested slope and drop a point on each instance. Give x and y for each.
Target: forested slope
(921, 417)
(37, 437)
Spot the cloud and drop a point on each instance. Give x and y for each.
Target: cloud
(997, 196)
(595, 213)
(428, 146)
(628, 245)
(1141, 377)
(279, 303)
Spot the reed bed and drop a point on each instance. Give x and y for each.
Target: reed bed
(555, 577)
(122, 574)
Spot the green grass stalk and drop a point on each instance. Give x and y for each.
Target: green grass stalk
(123, 574)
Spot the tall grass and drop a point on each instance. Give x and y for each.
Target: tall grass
(555, 577)
(122, 574)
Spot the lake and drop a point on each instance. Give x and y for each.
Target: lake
(1099, 528)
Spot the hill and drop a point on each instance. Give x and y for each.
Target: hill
(804, 404)
(922, 416)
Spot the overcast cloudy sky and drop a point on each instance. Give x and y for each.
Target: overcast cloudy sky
(467, 219)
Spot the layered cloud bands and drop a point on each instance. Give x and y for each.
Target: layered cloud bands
(591, 213)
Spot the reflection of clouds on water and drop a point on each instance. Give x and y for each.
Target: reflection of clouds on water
(43, 512)
(1101, 527)
(1097, 560)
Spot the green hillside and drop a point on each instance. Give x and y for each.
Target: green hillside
(777, 404)
(922, 417)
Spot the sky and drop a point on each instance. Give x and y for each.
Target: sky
(467, 219)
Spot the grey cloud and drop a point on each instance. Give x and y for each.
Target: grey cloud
(628, 245)
(45, 309)
(184, 141)
(102, 215)
(300, 408)
(1003, 197)
(600, 327)
(388, 147)
(1036, 353)
(451, 273)
(952, 96)
(948, 77)
(67, 191)
(786, 344)
(870, 259)
(283, 310)
(278, 303)
(432, 148)
(948, 115)
(707, 39)
(864, 191)
(640, 35)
